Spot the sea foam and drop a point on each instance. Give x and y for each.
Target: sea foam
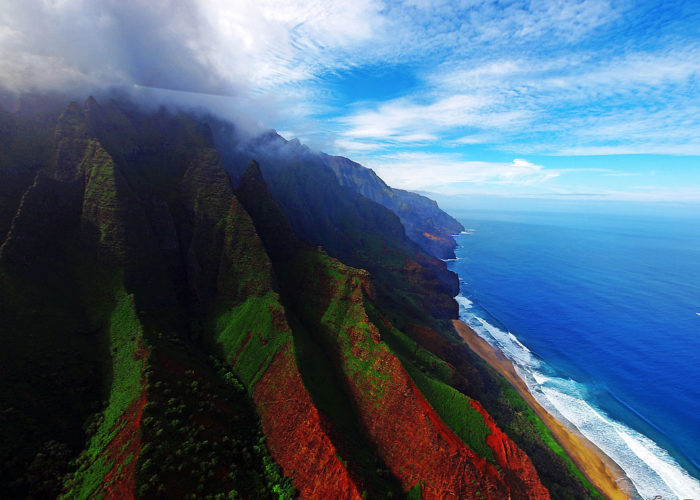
(650, 468)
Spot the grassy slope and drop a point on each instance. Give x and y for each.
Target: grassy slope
(294, 263)
(125, 339)
(320, 331)
(78, 318)
(247, 335)
(432, 377)
(331, 302)
(526, 422)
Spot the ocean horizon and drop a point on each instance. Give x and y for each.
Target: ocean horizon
(600, 315)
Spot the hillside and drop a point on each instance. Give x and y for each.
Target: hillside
(179, 321)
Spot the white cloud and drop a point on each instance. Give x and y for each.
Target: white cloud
(205, 46)
(474, 139)
(641, 102)
(510, 75)
(219, 45)
(404, 120)
(273, 43)
(350, 146)
(443, 172)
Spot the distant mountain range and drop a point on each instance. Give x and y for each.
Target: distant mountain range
(190, 313)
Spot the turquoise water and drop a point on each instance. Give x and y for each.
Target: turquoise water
(601, 316)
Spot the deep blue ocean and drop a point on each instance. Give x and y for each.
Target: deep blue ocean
(601, 315)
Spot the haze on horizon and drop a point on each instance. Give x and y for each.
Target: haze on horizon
(570, 100)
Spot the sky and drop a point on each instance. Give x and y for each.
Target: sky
(551, 99)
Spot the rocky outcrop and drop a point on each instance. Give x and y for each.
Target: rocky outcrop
(112, 217)
(225, 250)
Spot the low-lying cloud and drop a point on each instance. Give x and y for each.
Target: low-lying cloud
(209, 46)
(486, 78)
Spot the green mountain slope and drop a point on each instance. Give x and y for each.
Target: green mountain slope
(175, 325)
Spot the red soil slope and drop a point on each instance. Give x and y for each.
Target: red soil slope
(418, 446)
(123, 451)
(517, 469)
(409, 436)
(519, 472)
(295, 433)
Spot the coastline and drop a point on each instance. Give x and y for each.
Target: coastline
(598, 468)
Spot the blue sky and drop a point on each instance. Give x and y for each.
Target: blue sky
(577, 99)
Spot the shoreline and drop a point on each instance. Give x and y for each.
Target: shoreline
(598, 468)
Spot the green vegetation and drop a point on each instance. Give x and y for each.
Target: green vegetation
(330, 396)
(131, 263)
(248, 337)
(100, 193)
(432, 377)
(200, 434)
(454, 409)
(523, 413)
(415, 492)
(335, 295)
(125, 336)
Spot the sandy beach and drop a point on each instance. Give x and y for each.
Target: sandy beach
(600, 470)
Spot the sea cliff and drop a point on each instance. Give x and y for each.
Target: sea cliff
(181, 321)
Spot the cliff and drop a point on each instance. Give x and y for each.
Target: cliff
(176, 325)
(424, 222)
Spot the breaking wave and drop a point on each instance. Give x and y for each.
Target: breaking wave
(652, 470)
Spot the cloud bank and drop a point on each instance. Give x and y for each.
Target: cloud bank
(210, 46)
(467, 84)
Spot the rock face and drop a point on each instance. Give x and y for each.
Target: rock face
(284, 337)
(410, 438)
(425, 224)
(354, 228)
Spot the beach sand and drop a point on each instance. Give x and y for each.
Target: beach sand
(600, 470)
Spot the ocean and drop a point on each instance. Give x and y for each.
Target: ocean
(601, 316)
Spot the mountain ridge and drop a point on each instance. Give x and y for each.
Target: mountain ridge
(425, 224)
(257, 330)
